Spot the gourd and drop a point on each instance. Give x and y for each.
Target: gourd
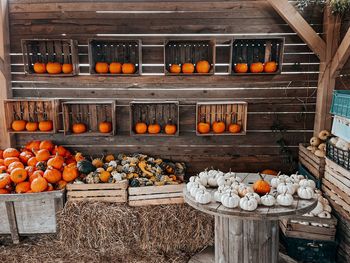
(318, 209)
(286, 188)
(67, 68)
(105, 127)
(233, 177)
(18, 125)
(56, 161)
(46, 125)
(261, 186)
(307, 183)
(52, 175)
(270, 67)
(323, 135)
(234, 128)
(276, 181)
(255, 195)
(315, 141)
(202, 66)
(78, 128)
(297, 177)
(324, 214)
(241, 68)
(267, 200)
(218, 126)
(223, 181)
(221, 190)
(201, 180)
(170, 128)
(248, 203)
(101, 67)
(85, 167)
(305, 192)
(203, 197)
(53, 68)
(115, 68)
(39, 68)
(256, 67)
(154, 128)
(203, 127)
(284, 199)
(141, 128)
(128, 68)
(230, 200)
(187, 68)
(195, 189)
(70, 172)
(175, 68)
(191, 183)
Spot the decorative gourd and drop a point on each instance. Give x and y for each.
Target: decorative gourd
(105, 127)
(324, 214)
(256, 67)
(234, 128)
(15, 165)
(324, 134)
(222, 181)
(203, 127)
(170, 128)
(270, 67)
(25, 156)
(53, 68)
(141, 128)
(67, 68)
(305, 192)
(175, 68)
(268, 200)
(85, 167)
(187, 68)
(202, 180)
(255, 195)
(276, 181)
(191, 183)
(18, 175)
(104, 176)
(318, 209)
(284, 199)
(286, 188)
(52, 175)
(230, 199)
(307, 183)
(212, 181)
(4, 180)
(195, 188)
(115, 68)
(101, 67)
(22, 187)
(243, 190)
(219, 126)
(39, 68)
(261, 186)
(297, 177)
(56, 161)
(241, 68)
(248, 203)
(218, 193)
(128, 68)
(78, 128)
(97, 162)
(203, 197)
(70, 172)
(315, 141)
(202, 67)
(18, 125)
(39, 184)
(154, 128)
(10, 152)
(46, 144)
(42, 155)
(45, 125)
(32, 126)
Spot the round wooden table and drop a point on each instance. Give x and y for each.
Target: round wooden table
(249, 237)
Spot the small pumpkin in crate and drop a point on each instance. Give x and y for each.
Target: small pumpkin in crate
(219, 126)
(85, 167)
(170, 128)
(203, 127)
(9, 160)
(18, 175)
(32, 161)
(15, 165)
(18, 125)
(39, 184)
(4, 180)
(52, 175)
(78, 128)
(187, 68)
(32, 126)
(175, 68)
(261, 186)
(39, 68)
(202, 67)
(56, 162)
(35, 174)
(105, 127)
(67, 68)
(45, 125)
(61, 184)
(241, 67)
(154, 128)
(115, 68)
(53, 68)
(270, 67)
(10, 152)
(70, 172)
(101, 67)
(46, 144)
(42, 155)
(128, 68)
(234, 128)
(104, 176)
(109, 158)
(97, 162)
(256, 67)
(22, 187)
(140, 128)
(25, 156)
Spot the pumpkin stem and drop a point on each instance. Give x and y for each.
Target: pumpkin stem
(262, 178)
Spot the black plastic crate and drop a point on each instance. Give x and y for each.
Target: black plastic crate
(338, 156)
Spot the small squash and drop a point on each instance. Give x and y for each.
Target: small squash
(32, 126)
(85, 167)
(35, 174)
(67, 68)
(241, 68)
(4, 180)
(9, 160)
(39, 68)
(105, 127)
(52, 175)
(32, 161)
(70, 172)
(104, 176)
(101, 67)
(46, 144)
(202, 67)
(22, 187)
(187, 68)
(175, 68)
(256, 67)
(10, 152)
(270, 67)
(115, 68)
(15, 165)
(78, 128)
(45, 125)
(109, 158)
(154, 128)
(261, 186)
(60, 150)
(141, 128)
(18, 175)
(25, 156)
(18, 125)
(56, 162)
(234, 128)
(128, 68)
(170, 128)
(39, 184)
(219, 126)
(42, 155)
(97, 162)
(54, 68)
(203, 127)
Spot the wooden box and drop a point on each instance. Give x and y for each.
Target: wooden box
(314, 164)
(250, 50)
(336, 187)
(112, 50)
(31, 110)
(114, 193)
(27, 214)
(91, 113)
(296, 230)
(64, 51)
(227, 111)
(162, 112)
(156, 195)
(188, 51)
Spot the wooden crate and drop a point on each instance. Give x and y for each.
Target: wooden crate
(50, 50)
(31, 110)
(27, 214)
(112, 50)
(250, 50)
(188, 51)
(91, 113)
(156, 195)
(227, 111)
(314, 164)
(296, 230)
(336, 186)
(114, 193)
(148, 111)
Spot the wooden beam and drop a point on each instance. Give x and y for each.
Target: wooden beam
(341, 56)
(300, 26)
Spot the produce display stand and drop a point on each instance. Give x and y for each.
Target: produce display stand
(27, 214)
(252, 237)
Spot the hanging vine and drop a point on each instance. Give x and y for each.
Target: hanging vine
(339, 7)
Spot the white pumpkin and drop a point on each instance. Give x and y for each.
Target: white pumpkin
(243, 190)
(218, 193)
(286, 188)
(223, 181)
(212, 173)
(307, 183)
(324, 214)
(284, 199)
(248, 203)
(203, 197)
(305, 192)
(195, 189)
(297, 177)
(304, 223)
(230, 200)
(202, 180)
(317, 224)
(204, 174)
(268, 200)
(255, 195)
(327, 208)
(276, 181)
(190, 185)
(212, 181)
(192, 179)
(318, 209)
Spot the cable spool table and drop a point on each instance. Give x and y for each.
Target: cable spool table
(248, 237)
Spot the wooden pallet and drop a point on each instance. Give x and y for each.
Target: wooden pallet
(156, 195)
(297, 230)
(114, 193)
(315, 164)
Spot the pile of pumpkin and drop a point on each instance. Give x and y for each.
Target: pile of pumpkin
(154, 128)
(256, 67)
(318, 143)
(31, 125)
(231, 192)
(52, 68)
(38, 167)
(115, 68)
(217, 127)
(201, 67)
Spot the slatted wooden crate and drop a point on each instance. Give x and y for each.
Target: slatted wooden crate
(112, 50)
(64, 51)
(314, 164)
(27, 214)
(31, 110)
(91, 113)
(161, 112)
(226, 111)
(296, 230)
(250, 50)
(188, 51)
(156, 195)
(336, 186)
(114, 193)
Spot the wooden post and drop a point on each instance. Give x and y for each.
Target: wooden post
(5, 72)
(10, 209)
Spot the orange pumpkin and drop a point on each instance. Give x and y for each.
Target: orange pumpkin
(61, 185)
(22, 187)
(52, 175)
(234, 128)
(4, 180)
(128, 68)
(153, 128)
(25, 156)
(10, 160)
(203, 127)
(175, 68)
(261, 186)
(79, 157)
(241, 68)
(67, 68)
(14, 165)
(256, 67)
(170, 128)
(202, 67)
(105, 127)
(49, 188)
(33, 145)
(115, 68)
(4, 191)
(36, 174)
(39, 68)
(18, 175)
(48, 145)
(219, 126)
(3, 169)
(187, 68)
(56, 162)
(54, 68)
(270, 172)
(78, 128)
(10, 152)
(18, 125)
(141, 128)
(42, 155)
(104, 176)
(38, 184)
(45, 126)
(270, 67)
(60, 150)
(32, 126)
(30, 170)
(32, 161)
(70, 172)
(101, 67)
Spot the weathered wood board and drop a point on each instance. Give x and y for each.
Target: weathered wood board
(315, 164)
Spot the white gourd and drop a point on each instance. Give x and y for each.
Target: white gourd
(243, 190)
(324, 214)
(212, 182)
(212, 173)
(248, 203)
(307, 183)
(318, 209)
(202, 180)
(223, 181)
(190, 185)
(204, 174)
(230, 200)
(255, 195)
(276, 181)
(296, 177)
(195, 189)
(284, 199)
(203, 197)
(286, 188)
(219, 173)
(218, 193)
(327, 208)
(317, 224)
(305, 192)
(192, 179)
(268, 200)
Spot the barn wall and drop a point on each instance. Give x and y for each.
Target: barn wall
(286, 100)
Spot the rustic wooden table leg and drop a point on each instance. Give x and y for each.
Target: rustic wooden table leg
(246, 241)
(11, 215)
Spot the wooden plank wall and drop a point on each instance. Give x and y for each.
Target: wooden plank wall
(287, 99)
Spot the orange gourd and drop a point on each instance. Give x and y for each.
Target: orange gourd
(78, 128)
(70, 172)
(14, 165)
(187, 68)
(39, 68)
(141, 128)
(36, 174)
(56, 162)
(4, 191)
(202, 67)
(9, 160)
(115, 68)
(48, 145)
(38, 184)
(25, 156)
(45, 125)
(33, 145)
(22, 187)
(42, 155)
(270, 172)
(154, 128)
(53, 68)
(67, 68)
(52, 175)
(203, 127)
(104, 176)
(170, 128)
(241, 68)
(32, 126)
(79, 157)
(128, 68)
(60, 150)
(18, 175)
(234, 128)
(101, 67)
(32, 161)
(4, 180)
(61, 185)
(219, 126)
(256, 67)
(18, 125)
(105, 127)
(270, 67)
(261, 186)
(175, 68)
(10, 152)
